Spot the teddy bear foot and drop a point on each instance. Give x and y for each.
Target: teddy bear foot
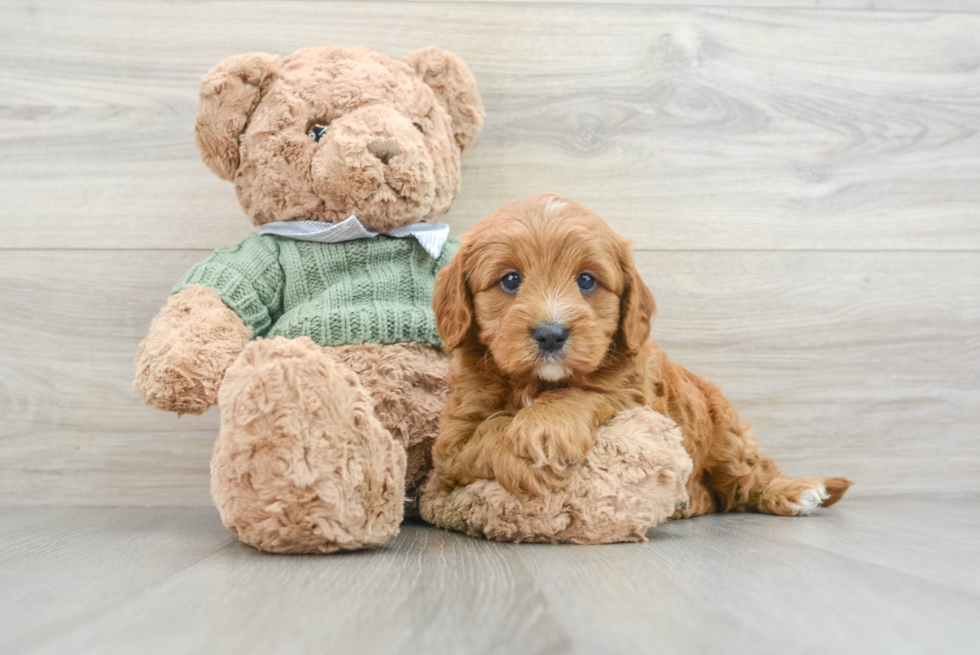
(634, 478)
(301, 464)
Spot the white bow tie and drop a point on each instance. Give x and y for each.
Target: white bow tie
(431, 236)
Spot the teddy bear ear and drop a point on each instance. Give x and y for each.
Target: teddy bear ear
(229, 94)
(455, 86)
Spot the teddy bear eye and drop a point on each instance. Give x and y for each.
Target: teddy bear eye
(316, 130)
(418, 126)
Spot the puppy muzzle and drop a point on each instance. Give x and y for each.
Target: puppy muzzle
(550, 337)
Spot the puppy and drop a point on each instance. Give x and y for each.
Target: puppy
(549, 323)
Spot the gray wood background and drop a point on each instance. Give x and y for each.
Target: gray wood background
(801, 177)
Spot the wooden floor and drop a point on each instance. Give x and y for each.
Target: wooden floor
(888, 575)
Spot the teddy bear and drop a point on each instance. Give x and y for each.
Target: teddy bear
(316, 337)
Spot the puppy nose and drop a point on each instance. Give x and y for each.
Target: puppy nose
(383, 149)
(550, 336)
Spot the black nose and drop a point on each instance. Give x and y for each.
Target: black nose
(550, 336)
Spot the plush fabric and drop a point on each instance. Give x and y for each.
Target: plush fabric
(632, 479)
(329, 416)
(319, 446)
(192, 342)
(302, 464)
(408, 387)
(375, 290)
(256, 113)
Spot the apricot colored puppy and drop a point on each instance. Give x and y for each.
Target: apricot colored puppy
(549, 323)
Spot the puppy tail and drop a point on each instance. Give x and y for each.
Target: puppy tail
(836, 488)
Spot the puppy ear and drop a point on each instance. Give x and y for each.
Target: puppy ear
(453, 303)
(455, 87)
(637, 306)
(229, 94)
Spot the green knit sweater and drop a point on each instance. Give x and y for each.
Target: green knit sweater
(365, 291)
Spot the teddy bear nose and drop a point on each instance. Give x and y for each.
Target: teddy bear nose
(383, 149)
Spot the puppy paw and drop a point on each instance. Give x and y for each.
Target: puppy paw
(800, 496)
(549, 444)
(521, 478)
(809, 500)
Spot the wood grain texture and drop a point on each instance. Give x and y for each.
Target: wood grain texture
(688, 129)
(851, 579)
(855, 364)
(956, 6)
(74, 429)
(61, 568)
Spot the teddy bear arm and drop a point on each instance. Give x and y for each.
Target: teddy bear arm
(190, 345)
(634, 478)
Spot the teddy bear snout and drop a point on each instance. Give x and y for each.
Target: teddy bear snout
(376, 164)
(383, 149)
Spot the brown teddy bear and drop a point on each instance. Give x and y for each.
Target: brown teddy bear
(329, 418)
(316, 337)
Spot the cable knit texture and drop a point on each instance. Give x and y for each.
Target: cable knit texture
(364, 291)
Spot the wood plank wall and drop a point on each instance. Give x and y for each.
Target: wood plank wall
(801, 177)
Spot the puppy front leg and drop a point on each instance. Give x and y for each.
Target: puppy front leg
(558, 429)
(468, 450)
(462, 450)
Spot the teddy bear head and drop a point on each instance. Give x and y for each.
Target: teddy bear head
(329, 132)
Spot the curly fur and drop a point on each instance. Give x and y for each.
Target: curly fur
(302, 464)
(422, 112)
(634, 477)
(526, 418)
(318, 446)
(190, 345)
(408, 387)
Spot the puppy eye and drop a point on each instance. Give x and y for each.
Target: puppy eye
(510, 282)
(418, 126)
(317, 130)
(586, 282)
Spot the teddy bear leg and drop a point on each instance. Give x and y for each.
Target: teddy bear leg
(301, 464)
(408, 384)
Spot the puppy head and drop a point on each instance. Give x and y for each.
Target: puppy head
(547, 287)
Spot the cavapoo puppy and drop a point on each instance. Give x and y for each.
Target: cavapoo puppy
(549, 323)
